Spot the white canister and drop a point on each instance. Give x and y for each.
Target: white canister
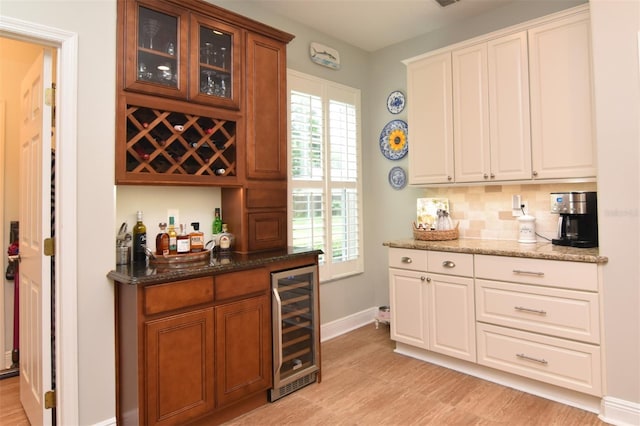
(526, 229)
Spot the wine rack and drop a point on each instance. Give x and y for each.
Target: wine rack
(171, 143)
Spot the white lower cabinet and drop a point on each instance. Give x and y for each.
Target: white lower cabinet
(540, 319)
(433, 311)
(566, 363)
(535, 318)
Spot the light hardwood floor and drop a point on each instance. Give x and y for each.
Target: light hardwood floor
(365, 383)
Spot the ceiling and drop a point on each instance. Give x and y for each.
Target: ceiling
(375, 24)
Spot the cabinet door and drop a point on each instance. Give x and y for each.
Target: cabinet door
(179, 364)
(408, 299)
(155, 48)
(510, 125)
(430, 120)
(563, 142)
(215, 62)
(471, 114)
(266, 149)
(243, 349)
(451, 314)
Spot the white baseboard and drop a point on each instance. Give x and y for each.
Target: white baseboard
(620, 412)
(108, 422)
(344, 325)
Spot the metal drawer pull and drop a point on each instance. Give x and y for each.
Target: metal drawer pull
(528, 358)
(448, 264)
(406, 259)
(519, 271)
(533, 311)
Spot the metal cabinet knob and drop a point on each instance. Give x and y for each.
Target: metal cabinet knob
(449, 264)
(486, 176)
(406, 259)
(534, 173)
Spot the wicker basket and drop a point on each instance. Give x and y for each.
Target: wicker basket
(428, 235)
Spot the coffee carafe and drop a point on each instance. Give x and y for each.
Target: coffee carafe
(578, 218)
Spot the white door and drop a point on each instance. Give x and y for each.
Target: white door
(35, 226)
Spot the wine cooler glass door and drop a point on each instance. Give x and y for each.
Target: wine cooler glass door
(296, 331)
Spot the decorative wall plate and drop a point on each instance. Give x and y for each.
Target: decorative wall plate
(324, 55)
(395, 102)
(397, 178)
(394, 142)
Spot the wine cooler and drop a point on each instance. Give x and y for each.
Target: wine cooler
(296, 352)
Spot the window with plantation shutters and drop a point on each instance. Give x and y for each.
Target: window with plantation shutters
(325, 203)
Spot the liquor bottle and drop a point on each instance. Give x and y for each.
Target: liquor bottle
(217, 222)
(182, 241)
(225, 239)
(139, 240)
(196, 238)
(173, 236)
(162, 240)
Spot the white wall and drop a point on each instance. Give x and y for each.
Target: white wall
(95, 24)
(616, 38)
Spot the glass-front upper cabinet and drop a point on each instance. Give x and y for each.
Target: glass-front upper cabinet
(156, 41)
(215, 62)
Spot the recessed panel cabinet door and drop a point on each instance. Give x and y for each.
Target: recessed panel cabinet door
(266, 108)
(243, 349)
(562, 130)
(430, 123)
(179, 367)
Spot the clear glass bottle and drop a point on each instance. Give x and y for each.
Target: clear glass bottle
(139, 240)
(225, 239)
(196, 238)
(183, 245)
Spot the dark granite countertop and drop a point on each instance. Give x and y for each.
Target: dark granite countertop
(505, 248)
(217, 264)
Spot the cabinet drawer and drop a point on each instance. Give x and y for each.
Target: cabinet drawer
(442, 262)
(415, 260)
(555, 273)
(563, 313)
(176, 295)
(571, 365)
(237, 284)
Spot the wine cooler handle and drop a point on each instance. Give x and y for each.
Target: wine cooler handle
(277, 322)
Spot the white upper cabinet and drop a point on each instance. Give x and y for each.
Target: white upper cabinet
(430, 115)
(563, 139)
(491, 111)
(509, 108)
(515, 105)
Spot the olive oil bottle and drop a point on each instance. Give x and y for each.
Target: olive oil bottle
(139, 240)
(173, 236)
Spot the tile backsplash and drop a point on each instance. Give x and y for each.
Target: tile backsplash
(485, 211)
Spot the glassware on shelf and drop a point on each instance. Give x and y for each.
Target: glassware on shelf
(207, 53)
(165, 72)
(150, 28)
(209, 86)
(223, 57)
(171, 48)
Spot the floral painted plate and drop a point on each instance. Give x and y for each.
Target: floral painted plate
(395, 102)
(394, 142)
(397, 178)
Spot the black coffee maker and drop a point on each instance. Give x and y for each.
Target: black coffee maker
(578, 221)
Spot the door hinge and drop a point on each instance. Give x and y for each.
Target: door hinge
(50, 96)
(49, 246)
(50, 399)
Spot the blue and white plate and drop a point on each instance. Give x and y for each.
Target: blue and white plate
(394, 141)
(395, 102)
(397, 178)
